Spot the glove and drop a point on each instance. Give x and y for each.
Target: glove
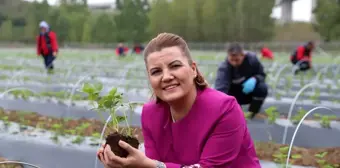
(249, 85)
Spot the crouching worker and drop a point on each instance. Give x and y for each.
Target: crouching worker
(302, 57)
(242, 75)
(121, 50)
(267, 53)
(47, 45)
(138, 48)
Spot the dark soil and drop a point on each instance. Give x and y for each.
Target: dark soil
(285, 116)
(265, 150)
(9, 165)
(114, 138)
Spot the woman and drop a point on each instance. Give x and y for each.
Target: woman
(189, 124)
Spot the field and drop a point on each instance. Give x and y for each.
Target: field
(46, 120)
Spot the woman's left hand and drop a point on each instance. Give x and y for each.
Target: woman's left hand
(135, 158)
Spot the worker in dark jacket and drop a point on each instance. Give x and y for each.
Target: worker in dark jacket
(242, 75)
(47, 45)
(302, 57)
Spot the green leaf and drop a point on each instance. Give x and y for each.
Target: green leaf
(98, 87)
(284, 149)
(296, 156)
(87, 88)
(108, 104)
(120, 118)
(113, 92)
(317, 115)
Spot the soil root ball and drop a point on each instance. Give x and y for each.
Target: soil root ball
(113, 139)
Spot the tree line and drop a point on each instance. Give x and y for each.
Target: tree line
(327, 15)
(139, 20)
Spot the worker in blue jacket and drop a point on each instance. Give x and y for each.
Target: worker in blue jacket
(242, 75)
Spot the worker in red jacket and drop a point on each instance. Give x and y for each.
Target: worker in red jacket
(121, 50)
(267, 53)
(302, 57)
(138, 48)
(47, 45)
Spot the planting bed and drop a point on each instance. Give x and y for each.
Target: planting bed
(9, 165)
(67, 125)
(50, 120)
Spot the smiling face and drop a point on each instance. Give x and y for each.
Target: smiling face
(170, 74)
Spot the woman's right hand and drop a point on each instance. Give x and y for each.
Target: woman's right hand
(100, 152)
(100, 155)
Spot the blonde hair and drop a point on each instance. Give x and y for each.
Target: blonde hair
(165, 40)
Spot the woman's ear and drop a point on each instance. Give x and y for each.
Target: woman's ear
(194, 68)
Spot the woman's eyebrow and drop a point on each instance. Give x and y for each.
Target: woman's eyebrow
(171, 63)
(176, 61)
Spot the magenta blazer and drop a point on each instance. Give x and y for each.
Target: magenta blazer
(214, 134)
